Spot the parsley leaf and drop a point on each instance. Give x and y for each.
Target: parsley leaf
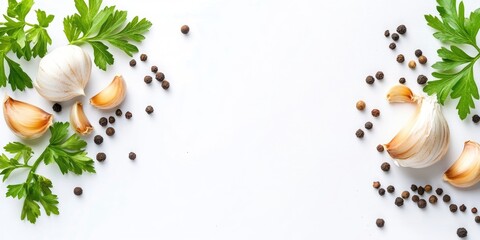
(102, 27)
(454, 73)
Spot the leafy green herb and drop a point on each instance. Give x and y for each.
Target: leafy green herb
(454, 72)
(99, 27)
(68, 152)
(25, 40)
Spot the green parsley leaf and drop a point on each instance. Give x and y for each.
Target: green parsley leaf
(454, 73)
(21, 150)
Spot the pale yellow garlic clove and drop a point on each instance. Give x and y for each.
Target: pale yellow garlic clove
(401, 94)
(465, 171)
(112, 96)
(79, 120)
(25, 120)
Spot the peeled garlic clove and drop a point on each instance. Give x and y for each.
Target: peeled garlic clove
(79, 120)
(25, 120)
(112, 96)
(465, 171)
(424, 140)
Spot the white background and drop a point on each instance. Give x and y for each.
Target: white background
(255, 139)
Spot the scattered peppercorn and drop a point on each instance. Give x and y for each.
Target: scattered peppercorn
(401, 29)
(392, 45)
(98, 139)
(185, 29)
(154, 69)
(379, 75)
(412, 64)
(446, 198)
(110, 131)
(149, 110)
(421, 190)
(148, 79)
(433, 199)
(402, 80)
(405, 194)
(381, 191)
(395, 37)
(369, 79)
(165, 85)
(111, 119)
(128, 115)
(474, 210)
(133, 63)
(462, 232)
(160, 76)
(415, 198)
(101, 156)
(418, 53)
(78, 191)
(103, 121)
(463, 208)
(375, 112)
(422, 59)
(399, 201)
(380, 148)
(376, 184)
(385, 167)
(400, 58)
(386, 33)
(413, 187)
(390, 189)
(143, 57)
(359, 133)
(439, 191)
(422, 203)
(477, 219)
(132, 156)
(368, 125)
(380, 222)
(428, 188)
(57, 107)
(453, 208)
(476, 118)
(118, 112)
(422, 79)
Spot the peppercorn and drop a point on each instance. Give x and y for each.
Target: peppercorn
(405, 194)
(147, 79)
(392, 45)
(386, 33)
(128, 115)
(369, 79)
(439, 191)
(415, 198)
(446, 198)
(103, 121)
(385, 167)
(399, 201)
(359, 133)
(422, 79)
(380, 222)
(400, 58)
(111, 119)
(418, 53)
(390, 189)
(154, 69)
(463, 208)
(143, 57)
(433, 199)
(453, 208)
(421, 190)
(57, 107)
(118, 112)
(412, 64)
(402, 80)
(477, 219)
(98, 139)
(101, 156)
(78, 191)
(428, 188)
(474, 210)
(395, 37)
(368, 125)
(132, 156)
(165, 85)
(185, 29)
(379, 75)
(110, 131)
(149, 110)
(414, 187)
(360, 105)
(422, 203)
(381, 191)
(476, 118)
(462, 232)
(402, 29)
(380, 148)
(422, 59)
(376, 184)
(160, 76)
(375, 112)
(133, 63)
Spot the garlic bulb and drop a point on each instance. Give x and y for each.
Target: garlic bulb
(79, 120)
(25, 120)
(424, 139)
(465, 172)
(111, 96)
(63, 73)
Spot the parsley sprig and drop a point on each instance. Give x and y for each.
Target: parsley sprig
(99, 27)
(68, 152)
(454, 73)
(25, 40)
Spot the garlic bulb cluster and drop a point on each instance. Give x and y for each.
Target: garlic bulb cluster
(111, 96)
(424, 140)
(465, 171)
(25, 120)
(63, 73)
(79, 120)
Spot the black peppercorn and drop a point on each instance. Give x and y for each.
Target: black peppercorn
(143, 57)
(476, 118)
(413, 187)
(405, 194)
(154, 69)
(78, 191)
(103, 121)
(369, 80)
(474, 210)
(402, 80)
(381, 191)
(446, 198)
(390, 189)
(380, 148)
(368, 125)
(420, 190)
(147, 79)
(101, 156)
(376, 184)
(379, 75)
(165, 84)
(380, 222)
(160, 76)
(392, 46)
(185, 29)
(400, 58)
(433, 199)
(399, 201)
(453, 208)
(133, 63)
(98, 139)
(422, 203)
(111, 119)
(422, 79)
(439, 191)
(128, 115)
(110, 131)
(477, 219)
(462, 208)
(375, 112)
(401, 29)
(118, 112)
(395, 37)
(415, 198)
(132, 156)
(428, 188)
(422, 59)
(418, 53)
(149, 110)
(57, 107)
(462, 232)
(386, 33)
(385, 167)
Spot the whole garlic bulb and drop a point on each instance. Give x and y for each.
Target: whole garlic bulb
(63, 73)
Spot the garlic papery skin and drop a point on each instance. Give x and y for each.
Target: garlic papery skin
(424, 140)
(63, 74)
(465, 171)
(25, 120)
(79, 120)
(111, 96)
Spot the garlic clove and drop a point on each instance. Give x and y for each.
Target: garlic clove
(111, 96)
(79, 120)
(401, 94)
(465, 171)
(63, 74)
(25, 120)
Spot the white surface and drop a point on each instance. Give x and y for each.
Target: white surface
(256, 137)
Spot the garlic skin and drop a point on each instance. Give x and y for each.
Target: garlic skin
(111, 96)
(424, 140)
(79, 120)
(25, 120)
(63, 74)
(465, 171)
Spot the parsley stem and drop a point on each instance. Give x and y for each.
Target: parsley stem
(34, 167)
